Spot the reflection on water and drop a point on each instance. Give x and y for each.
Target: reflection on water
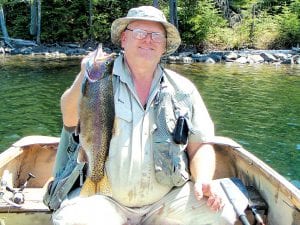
(256, 105)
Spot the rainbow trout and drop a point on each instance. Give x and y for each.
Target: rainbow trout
(96, 119)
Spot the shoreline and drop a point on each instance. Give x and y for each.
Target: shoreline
(246, 56)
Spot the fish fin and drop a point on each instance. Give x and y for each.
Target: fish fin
(89, 188)
(103, 186)
(82, 156)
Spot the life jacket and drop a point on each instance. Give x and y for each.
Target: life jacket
(173, 112)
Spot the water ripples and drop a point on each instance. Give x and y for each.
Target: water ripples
(30, 90)
(257, 105)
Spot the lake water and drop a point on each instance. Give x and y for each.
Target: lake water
(256, 105)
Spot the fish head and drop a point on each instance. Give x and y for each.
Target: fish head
(96, 69)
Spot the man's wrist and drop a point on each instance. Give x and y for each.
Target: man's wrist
(202, 181)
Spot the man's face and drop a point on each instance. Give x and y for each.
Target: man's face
(145, 49)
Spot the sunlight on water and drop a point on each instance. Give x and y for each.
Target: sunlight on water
(256, 105)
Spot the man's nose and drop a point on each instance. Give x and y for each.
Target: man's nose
(148, 38)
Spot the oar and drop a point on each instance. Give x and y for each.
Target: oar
(238, 195)
(237, 198)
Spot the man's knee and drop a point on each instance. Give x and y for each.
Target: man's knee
(180, 206)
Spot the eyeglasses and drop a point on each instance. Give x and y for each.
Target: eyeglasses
(142, 34)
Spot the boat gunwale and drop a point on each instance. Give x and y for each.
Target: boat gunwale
(275, 178)
(240, 155)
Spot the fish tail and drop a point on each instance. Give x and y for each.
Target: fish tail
(103, 186)
(90, 187)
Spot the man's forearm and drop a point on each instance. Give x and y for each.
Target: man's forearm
(69, 102)
(202, 162)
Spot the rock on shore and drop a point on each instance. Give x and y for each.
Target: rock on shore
(51, 50)
(242, 57)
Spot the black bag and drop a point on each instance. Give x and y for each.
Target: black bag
(180, 134)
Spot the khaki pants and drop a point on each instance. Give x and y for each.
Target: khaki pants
(178, 207)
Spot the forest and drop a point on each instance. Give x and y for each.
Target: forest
(204, 24)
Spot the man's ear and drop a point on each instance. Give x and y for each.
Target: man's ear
(123, 39)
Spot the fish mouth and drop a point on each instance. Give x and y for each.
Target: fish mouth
(93, 74)
(98, 68)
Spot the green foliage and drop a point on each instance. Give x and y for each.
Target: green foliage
(68, 20)
(295, 7)
(274, 7)
(18, 19)
(289, 22)
(199, 21)
(64, 21)
(273, 23)
(266, 31)
(2, 2)
(104, 13)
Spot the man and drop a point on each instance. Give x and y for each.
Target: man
(155, 178)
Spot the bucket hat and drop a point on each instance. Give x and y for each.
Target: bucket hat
(147, 13)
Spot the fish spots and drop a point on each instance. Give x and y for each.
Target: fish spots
(96, 115)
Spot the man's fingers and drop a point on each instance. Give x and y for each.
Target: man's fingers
(215, 202)
(198, 190)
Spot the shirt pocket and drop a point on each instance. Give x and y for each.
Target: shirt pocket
(170, 163)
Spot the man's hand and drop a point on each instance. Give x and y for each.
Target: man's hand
(207, 189)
